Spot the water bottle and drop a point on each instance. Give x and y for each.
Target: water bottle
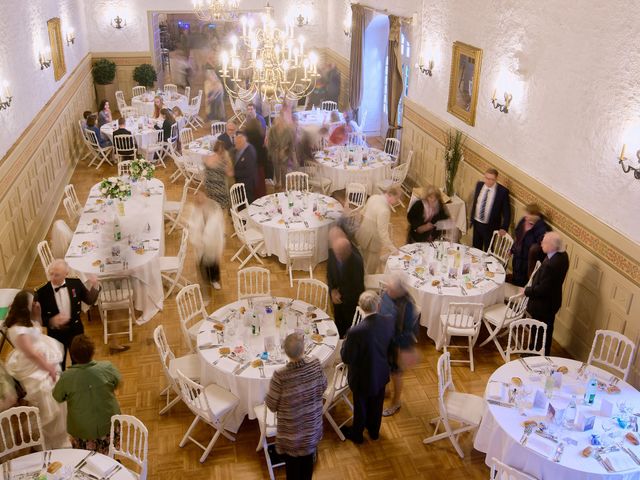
(117, 231)
(570, 413)
(290, 199)
(548, 385)
(590, 394)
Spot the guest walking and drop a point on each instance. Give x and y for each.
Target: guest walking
(218, 169)
(281, 147)
(88, 387)
(295, 394)
(246, 166)
(365, 351)
(423, 216)
(526, 250)
(255, 136)
(491, 210)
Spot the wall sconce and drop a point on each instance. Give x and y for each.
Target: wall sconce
(428, 70)
(45, 58)
(503, 107)
(70, 37)
(346, 27)
(629, 168)
(5, 96)
(302, 20)
(118, 22)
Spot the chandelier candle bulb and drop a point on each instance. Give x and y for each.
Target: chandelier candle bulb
(624, 147)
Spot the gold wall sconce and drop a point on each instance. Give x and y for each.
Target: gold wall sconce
(70, 37)
(118, 22)
(302, 20)
(628, 168)
(5, 96)
(503, 107)
(426, 70)
(45, 58)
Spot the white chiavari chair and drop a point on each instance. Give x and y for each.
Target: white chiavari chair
(133, 444)
(171, 267)
(511, 289)
(129, 112)
(462, 320)
(191, 313)
(124, 147)
(212, 405)
(268, 424)
(20, 429)
(139, 90)
(526, 336)
(101, 154)
(392, 148)
(297, 182)
(186, 137)
(356, 139)
(356, 195)
(170, 88)
(500, 247)
(61, 236)
(124, 168)
(187, 93)
(254, 282)
(313, 292)
(397, 178)
(218, 128)
(337, 391)
(193, 110)
(613, 351)
(498, 317)
(173, 211)
(251, 239)
(462, 408)
(70, 208)
(116, 293)
(70, 192)
(85, 142)
(316, 181)
(502, 471)
(358, 315)
(329, 106)
(120, 101)
(301, 246)
(155, 150)
(46, 257)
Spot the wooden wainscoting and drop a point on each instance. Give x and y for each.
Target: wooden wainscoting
(125, 64)
(602, 289)
(36, 169)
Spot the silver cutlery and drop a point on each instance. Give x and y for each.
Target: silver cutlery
(241, 369)
(84, 460)
(262, 375)
(464, 292)
(630, 452)
(525, 365)
(112, 472)
(548, 436)
(559, 452)
(603, 462)
(500, 404)
(439, 289)
(548, 360)
(208, 346)
(525, 435)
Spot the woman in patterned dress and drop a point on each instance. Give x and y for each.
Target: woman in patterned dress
(218, 170)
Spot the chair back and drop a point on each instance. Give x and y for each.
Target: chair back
(339, 384)
(314, 292)
(301, 243)
(46, 256)
(464, 315)
(70, 208)
(116, 290)
(218, 128)
(356, 195)
(254, 282)
(238, 196)
(194, 396)
(356, 138)
(156, 138)
(502, 471)
(399, 173)
(526, 336)
(187, 92)
(358, 315)
(61, 236)
(139, 90)
(134, 441)
(124, 145)
(186, 136)
(164, 350)
(297, 181)
(128, 112)
(516, 308)
(170, 88)
(612, 350)
(124, 168)
(239, 226)
(329, 106)
(92, 139)
(182, 252)
(173, 140)
(190, 310)
(70, 192)
(500, 246)
(120, 100)
(535, 270)
(392, 147)
(20, 428)
(445, 380)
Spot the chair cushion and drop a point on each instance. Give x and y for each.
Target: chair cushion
(384, 184)
(495, 314)
(189, 365)
(457, 331)
(510, 290)
(259, 411)
(220, 400)
(464, 407)
(195, 329)
(253, 236)
(172, 206)
(168, 263)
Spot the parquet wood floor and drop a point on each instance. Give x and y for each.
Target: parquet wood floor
(398, 454)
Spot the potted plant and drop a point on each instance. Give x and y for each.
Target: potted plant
(104, 72)
(453, 155)
(145, 75)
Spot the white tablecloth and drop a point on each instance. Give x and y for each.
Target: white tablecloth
(248, 385)
(333, 164)
(501, 428)
(432, 288)
(198, 149)
(275, 226)
(144, 103)
(143, 221)
(142, 129)
(314, 119)
(97, 465)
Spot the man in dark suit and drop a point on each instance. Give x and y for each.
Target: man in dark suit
(245, 167)
(228, 136)
(365, 351)
(124, 154)
(545, 292)
(490, 211)
(345, 276)
(61, 301)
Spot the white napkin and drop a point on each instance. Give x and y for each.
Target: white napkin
(493, 267)
(324, 326)
(496, 391)
(541, 445)
(227, 364)
(619, 461)
(299, 306)
(321, 352)
(27, 463)
(100, 464)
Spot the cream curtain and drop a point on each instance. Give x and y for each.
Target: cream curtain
(394, 83)
(355, 67)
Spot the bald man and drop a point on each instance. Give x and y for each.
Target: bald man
(545, 292)
(345, 276)
(60, 301)
(228, 136)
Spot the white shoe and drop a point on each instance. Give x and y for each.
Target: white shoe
(216, 285)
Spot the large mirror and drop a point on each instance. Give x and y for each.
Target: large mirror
(57, 50)
(465, 78)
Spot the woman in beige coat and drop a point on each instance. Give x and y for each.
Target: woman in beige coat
(373, 234)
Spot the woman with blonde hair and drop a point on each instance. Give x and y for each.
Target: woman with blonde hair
(158, 105)
(424, 214)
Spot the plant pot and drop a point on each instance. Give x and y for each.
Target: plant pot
(108, 93)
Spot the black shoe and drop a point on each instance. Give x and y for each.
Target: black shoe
(118, 348)
(374, 437)
(348, 434)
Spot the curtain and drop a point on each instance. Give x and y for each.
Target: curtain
(355, 67)
(394, 82)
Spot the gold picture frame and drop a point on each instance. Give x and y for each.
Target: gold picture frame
(464, 82)
(57, 49)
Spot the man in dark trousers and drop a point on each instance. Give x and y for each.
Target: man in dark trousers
(365, 351)
(345, 276)
(229, 135)
(491, 210)
(61, 301)
(545, 292)
(245, 167)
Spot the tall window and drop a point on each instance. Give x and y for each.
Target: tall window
(405, 54)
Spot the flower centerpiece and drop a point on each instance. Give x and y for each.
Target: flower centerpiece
(115, 188)
(141, 168)
(453, 155)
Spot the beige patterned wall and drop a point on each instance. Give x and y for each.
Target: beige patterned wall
(125, 64)
(602, 288)
(34, 172)
(329, 56)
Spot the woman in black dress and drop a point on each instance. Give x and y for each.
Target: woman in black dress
(423, 216)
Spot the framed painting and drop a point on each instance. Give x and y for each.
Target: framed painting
(57, 50)
(464, 82)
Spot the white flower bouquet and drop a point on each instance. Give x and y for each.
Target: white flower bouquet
(115, 188)
(141, 168)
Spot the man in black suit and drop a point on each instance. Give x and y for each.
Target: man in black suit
(345, 276)
(61, 303)
(228, 136)
(123, 154)
(365, 351)
(491, 210)
(545, 292)
(245, 168)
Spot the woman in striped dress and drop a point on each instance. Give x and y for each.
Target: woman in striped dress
(218, 170)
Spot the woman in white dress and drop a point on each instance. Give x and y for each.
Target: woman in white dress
(35, 363)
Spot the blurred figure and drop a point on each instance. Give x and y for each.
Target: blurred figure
(398, 305)
(228, 136)
(333, 83)
(253, 114)
(215, 96)
(337, 130)
(218, 169)
(526, 248)
(281, 147)
(245, 168)
(255, 136)
(423, 216)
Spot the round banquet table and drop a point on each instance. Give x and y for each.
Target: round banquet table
(198, 149)
(93, 249)
(144, 103)
(275, 224)
(461, 274)
(346, 164)
(501, 428)
(235, 372)
(97, 465)
(314, 119)
(142, 129)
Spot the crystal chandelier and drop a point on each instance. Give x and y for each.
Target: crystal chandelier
(269, 62)
(211, 10)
